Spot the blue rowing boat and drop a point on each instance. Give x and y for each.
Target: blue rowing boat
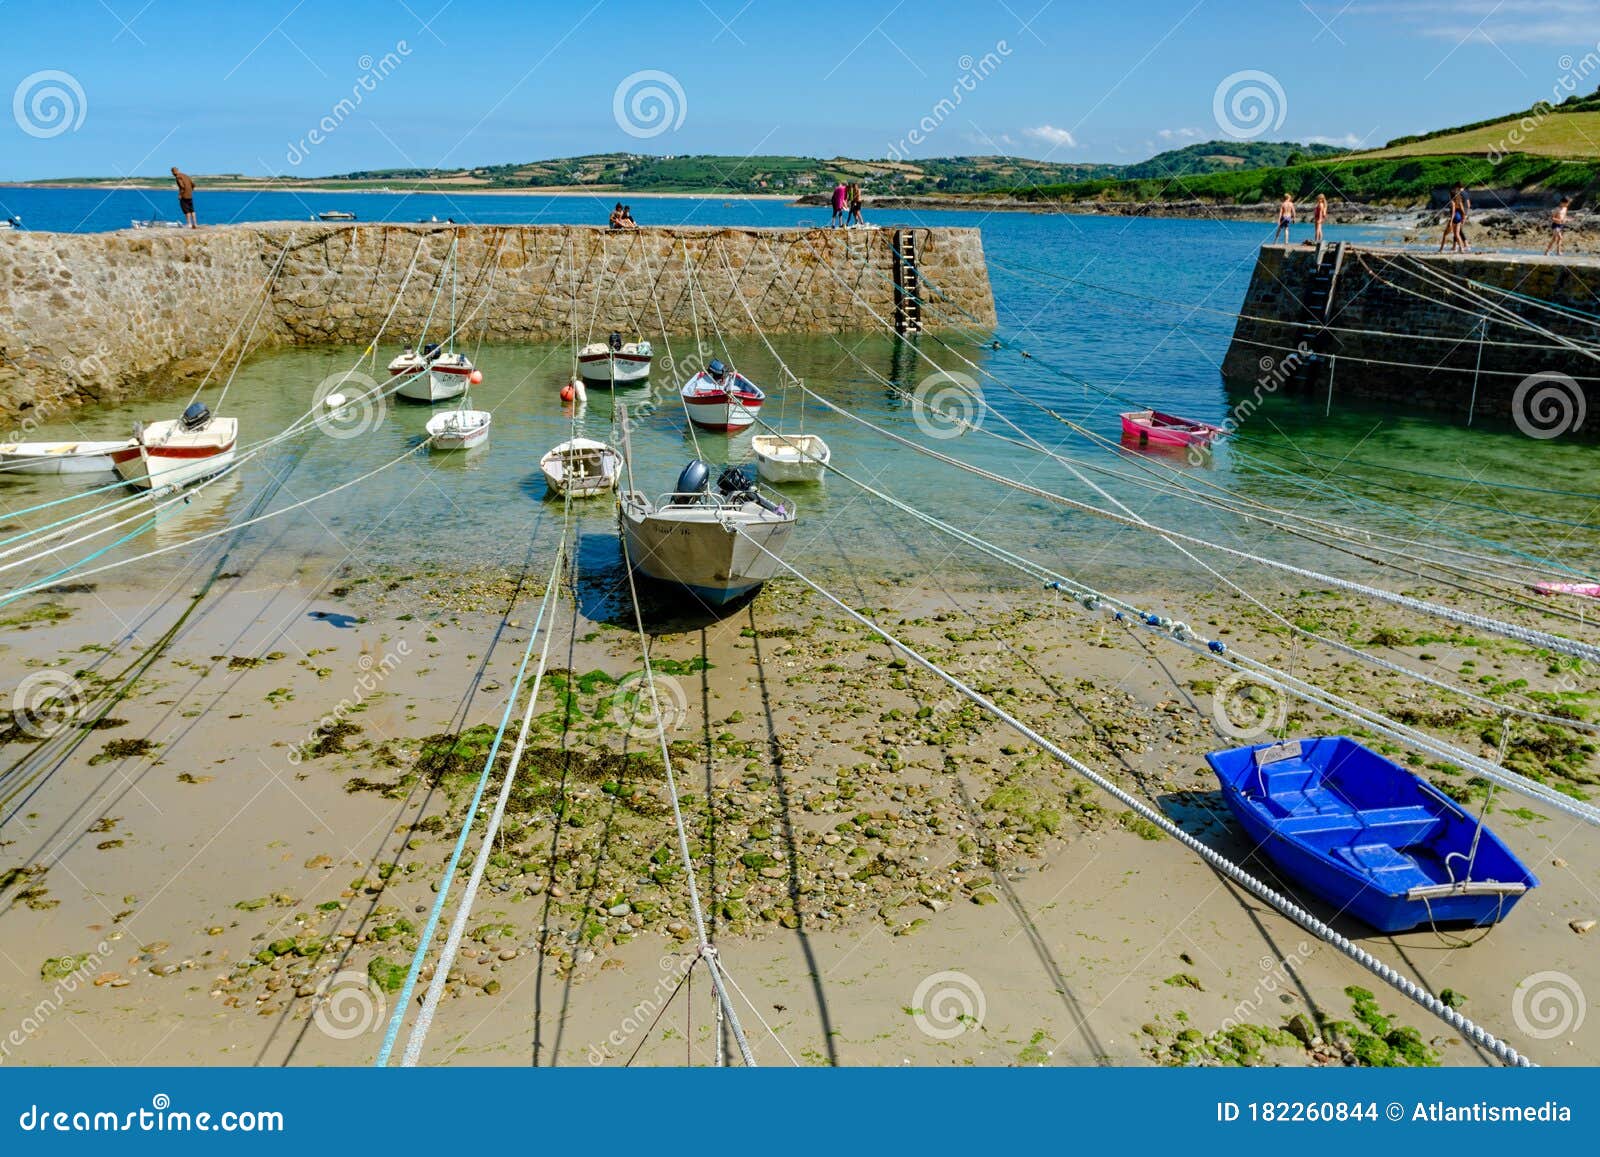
(1369, 837)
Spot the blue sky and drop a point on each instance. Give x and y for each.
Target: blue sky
(107, 87)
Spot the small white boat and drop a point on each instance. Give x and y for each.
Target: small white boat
(790, 457)
(460, 429)
(615, 362)
(336, 215)
(58, 457)
(155, 223)
(177, 452)
(432, 375)
(582, 467)
(707, 538)
(719, 398)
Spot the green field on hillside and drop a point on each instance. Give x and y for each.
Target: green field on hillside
(1555, 134)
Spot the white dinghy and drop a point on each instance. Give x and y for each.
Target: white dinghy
(460, 429)
(582, 467)
(790, 457)
(58, 457)
(615, 362)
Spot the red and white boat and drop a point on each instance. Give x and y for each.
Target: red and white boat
(719, 398)
(1155, 428)
(177, 452)
(615, 362)
(433, 375)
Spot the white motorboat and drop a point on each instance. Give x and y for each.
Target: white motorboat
(615, 362)
(58, 457)
(721, 398)
(707, 538)
(433, 375)
(582, 467)
(790, 457)
(177, 452)
(335, 215)
(459, 429)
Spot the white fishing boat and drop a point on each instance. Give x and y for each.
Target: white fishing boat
(459, 429)
(177, 452)
(58, 457)
(582, 467)
(790, 457)
(615, 362)
(707, 537)
(721, 398)
(335, 215)
(433, 375)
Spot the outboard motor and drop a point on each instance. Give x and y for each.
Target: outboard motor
(693, 480)
(430, 351)
(615, 342)
(196, 417)
(735, 486)
(716, 369)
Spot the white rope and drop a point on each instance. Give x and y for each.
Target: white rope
(458, 927)
(778, 1040)
(1217, 861)
(708, 952)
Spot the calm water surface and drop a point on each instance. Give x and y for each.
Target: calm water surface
(478, 509)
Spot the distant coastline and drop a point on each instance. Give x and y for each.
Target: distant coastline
(390, 190)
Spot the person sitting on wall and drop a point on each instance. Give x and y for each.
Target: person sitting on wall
(615, 222)
(627, 221)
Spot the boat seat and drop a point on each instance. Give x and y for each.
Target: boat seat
(1400, 827)
(1389, 869)
(1311, 801)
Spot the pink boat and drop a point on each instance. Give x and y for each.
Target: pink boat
(1156, 428)
(1587, 590)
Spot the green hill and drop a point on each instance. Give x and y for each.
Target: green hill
(1545, 149)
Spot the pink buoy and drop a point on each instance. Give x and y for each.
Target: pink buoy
(476, 377)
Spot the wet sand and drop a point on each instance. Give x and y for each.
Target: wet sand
(233, 864)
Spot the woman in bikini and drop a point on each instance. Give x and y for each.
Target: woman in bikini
(1452, 225)
(1319, 215)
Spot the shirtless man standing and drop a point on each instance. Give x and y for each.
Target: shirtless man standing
(185, 196)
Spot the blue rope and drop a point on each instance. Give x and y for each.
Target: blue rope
(70, 567)
(410, 985)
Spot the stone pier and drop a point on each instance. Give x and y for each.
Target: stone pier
(1397, 336)
(85, 316)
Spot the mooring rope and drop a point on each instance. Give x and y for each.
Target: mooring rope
(1216, 860)
(426, 939)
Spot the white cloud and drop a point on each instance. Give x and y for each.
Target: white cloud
(1178, 134)
(1348, 141)
(1057, 138)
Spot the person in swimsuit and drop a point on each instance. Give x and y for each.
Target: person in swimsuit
(1285, 218)
(1319, 215)
(853, 199)
(1452, 224)
(840, 193)
(1558, 226)
(185, 196)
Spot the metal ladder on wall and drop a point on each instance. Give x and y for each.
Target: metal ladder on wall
(1312, 332)
(907, 285)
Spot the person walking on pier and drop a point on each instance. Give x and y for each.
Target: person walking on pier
(1320, 215)
(840, 194)
(1558, 227)
(185, 196)
(1454, 219)
(853, 199)
(1285, 218)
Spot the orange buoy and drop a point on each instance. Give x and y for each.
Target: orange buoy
(476, 377)
(567, 392)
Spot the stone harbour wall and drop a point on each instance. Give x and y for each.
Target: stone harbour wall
(1399, 339)
(85, 316)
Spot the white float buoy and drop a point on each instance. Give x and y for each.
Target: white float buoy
(334, 401)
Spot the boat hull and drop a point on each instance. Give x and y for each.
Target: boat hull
(790, 458)
(59, 457)
(1157, 429)
(613, 369)
(712, 406)
(164, 456)
(431, 385)
(458, 429)
(582, 467)
(1368, 837)
(689, 547)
